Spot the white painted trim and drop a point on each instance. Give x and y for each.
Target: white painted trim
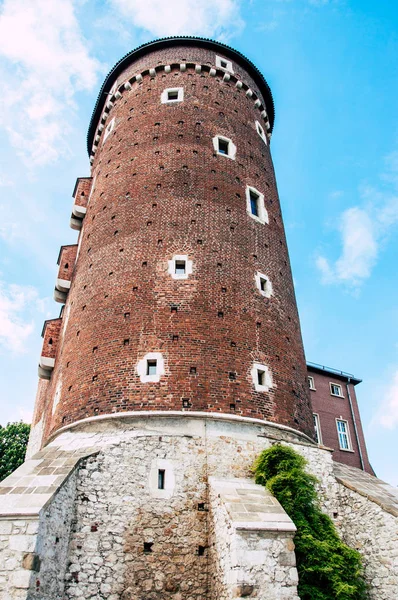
(318, 428)
(171, 414)
(109, 129)
(228, 64)
(267, 377)
(267, 293)
(263, 214)
(348, 434)
(338, 385)
(142, 367)
(63, 285)
(261, 132)
(164, 95)
(172, 266)
(231, 146)
(169, 479)
(47, 363)
(311, 385)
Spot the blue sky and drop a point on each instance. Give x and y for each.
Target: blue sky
(333, 69)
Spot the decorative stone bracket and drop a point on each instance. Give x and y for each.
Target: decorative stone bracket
(81, 195)
(50, 334)
(66, 261)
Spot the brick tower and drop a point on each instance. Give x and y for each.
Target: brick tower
(176, 360)
(179, 294)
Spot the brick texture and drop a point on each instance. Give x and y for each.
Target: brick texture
(159, 190)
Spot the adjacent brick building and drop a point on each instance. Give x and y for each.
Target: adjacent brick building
(336, 415)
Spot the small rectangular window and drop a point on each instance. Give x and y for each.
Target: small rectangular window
(172, 95)
(260, 377)
(311, 382)
(161, 479)
(263, 284)
(151, 366)
(223, 146)
(254, 203)
(317, 428)
(342, 430)
(335, 390)
(223, 64)
(180, 267)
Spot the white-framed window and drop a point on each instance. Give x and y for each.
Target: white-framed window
(180, 267)
(261, 132)
(263, 284)
(151, 367)
(336, 390)
(224, 146)
(109, 129)
(172, 95)
(317, 428)
(343, 433)
(161, 478)
(223, 63)
(255, 205)
(311, 382)
(262, 377)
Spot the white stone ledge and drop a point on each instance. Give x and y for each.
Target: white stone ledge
(172, 414)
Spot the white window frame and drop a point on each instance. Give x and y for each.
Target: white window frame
(220, 60)
(268, 291)
(231, 146)
(261, 132)
(317, 427)
(341, 395)
(172, 266)
(267, 377)
(142, 367)
(346, 433)
(311, 383)
(164, 98)
(161, 464)
(108, 129)
(263, 214)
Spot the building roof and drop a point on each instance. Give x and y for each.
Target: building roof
(335, 372)
(227, 51)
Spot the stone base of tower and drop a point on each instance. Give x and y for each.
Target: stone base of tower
(163, 506)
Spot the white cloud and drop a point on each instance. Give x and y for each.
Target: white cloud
(213, 18)
(363, 230)
(388, 415)
(45, 61)
(16, 323)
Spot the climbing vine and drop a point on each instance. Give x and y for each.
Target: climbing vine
(328, 569)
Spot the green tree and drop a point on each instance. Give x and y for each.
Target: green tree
(328, 569)
(13, 441)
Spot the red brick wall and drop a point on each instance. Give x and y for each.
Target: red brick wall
(330, 408)
(51, 337)
(82, 191)
(160, 190)
(66, 262)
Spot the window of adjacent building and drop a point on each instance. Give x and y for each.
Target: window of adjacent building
(180, 267)
(172, 95)
(223, 63)
(336, 390)
(224, 146)
(261, 132)
(109, 129)
(263, 284)
(255, 205)
(262, 378)
(344, 435)
(317, 428)
(311, 382)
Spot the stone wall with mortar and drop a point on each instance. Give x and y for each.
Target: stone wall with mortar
(131, 540)
(251, 548)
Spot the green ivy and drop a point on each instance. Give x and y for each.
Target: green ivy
(327, 568)
(13, 441)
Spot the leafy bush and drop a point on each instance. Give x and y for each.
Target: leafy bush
(13, 441)
(327, 568)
